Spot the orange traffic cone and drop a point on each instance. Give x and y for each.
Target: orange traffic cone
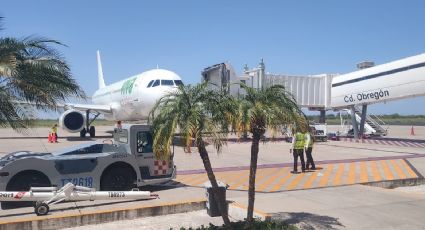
(412, 131)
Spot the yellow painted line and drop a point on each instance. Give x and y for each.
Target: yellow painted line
(338, 175)
(400, 172)
(84, 213)
(409, 169)
(296, 181)
(311, 179)
(363, 172)
(387, 171)
(183, 178)
(270, 180)
(188, 178)
(261, 173)
(352, 173)
(282, 180)
(324, 181)
(197, 179)
(230, 178)
(243, 179)
(375, 171)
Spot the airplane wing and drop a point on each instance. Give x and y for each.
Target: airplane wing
(93, 107)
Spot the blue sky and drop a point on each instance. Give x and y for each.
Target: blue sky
(293, 37)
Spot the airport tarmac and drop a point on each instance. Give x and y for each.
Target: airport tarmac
(330, 197)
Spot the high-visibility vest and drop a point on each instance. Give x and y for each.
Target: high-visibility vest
(299, 141)
(54, 129)
(310, 143)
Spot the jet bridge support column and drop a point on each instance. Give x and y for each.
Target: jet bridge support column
(363, 120)
(322, 118)
(354, 123)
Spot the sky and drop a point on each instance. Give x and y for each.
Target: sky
(185, 36)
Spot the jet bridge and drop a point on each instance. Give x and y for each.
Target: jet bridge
(404, 78)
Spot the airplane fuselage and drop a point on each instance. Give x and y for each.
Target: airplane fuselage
(133, 98)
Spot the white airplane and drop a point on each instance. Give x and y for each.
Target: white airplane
(128, 100)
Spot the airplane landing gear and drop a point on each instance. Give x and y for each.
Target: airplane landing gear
(89, 128)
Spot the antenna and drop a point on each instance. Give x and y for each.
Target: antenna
(100, 71)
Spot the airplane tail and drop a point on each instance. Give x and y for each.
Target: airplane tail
(100, 71)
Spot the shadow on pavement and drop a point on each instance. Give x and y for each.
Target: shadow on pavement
(307, 221)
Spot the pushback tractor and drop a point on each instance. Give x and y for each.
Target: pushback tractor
(127, 162)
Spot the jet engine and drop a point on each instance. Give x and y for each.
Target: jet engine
(72, 121)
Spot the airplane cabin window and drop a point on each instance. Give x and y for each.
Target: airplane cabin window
(178, 82)
(156, 83)
(167, 82)
(150, 84)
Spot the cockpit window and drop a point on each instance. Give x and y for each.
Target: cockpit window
(156, 83)
(178, 82)
(167, 82)
(150, 84)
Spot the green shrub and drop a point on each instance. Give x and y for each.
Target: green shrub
(257, 225)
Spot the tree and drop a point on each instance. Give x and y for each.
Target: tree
(260, 110)
(200, 115)
(32, 72)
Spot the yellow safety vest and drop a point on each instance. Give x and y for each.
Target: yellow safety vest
(310, 143)
(54, 129)
(299, 141)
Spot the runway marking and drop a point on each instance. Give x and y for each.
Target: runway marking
(375, 171)
(282, 181)
(401, 143)
(352, 173)
(337, 179)
(260, 175)
(311, 179)
(408, 169)
(400, 173)
(275, 179)
(324, 181)
(387, 171)
(363, 172)
(295, 182)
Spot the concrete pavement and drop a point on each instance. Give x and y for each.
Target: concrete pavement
(336, 202)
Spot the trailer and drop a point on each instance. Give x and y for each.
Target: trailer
(44, 197)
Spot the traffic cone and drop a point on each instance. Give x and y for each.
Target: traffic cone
(49, 138)
(412, 131)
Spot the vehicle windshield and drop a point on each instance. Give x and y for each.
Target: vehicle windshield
(88, 149)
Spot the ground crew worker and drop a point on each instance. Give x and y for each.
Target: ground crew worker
(298, 142)
(309, 140)
(54, 133)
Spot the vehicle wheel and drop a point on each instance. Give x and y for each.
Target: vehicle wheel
(92, 131)
(23, 181)
(117, 179)
(83, 132)
(41, 209)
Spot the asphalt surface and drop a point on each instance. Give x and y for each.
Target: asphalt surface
(326, 198)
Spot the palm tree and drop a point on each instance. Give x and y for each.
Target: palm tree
(200, 115)
(260, 110)
(32, 72)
